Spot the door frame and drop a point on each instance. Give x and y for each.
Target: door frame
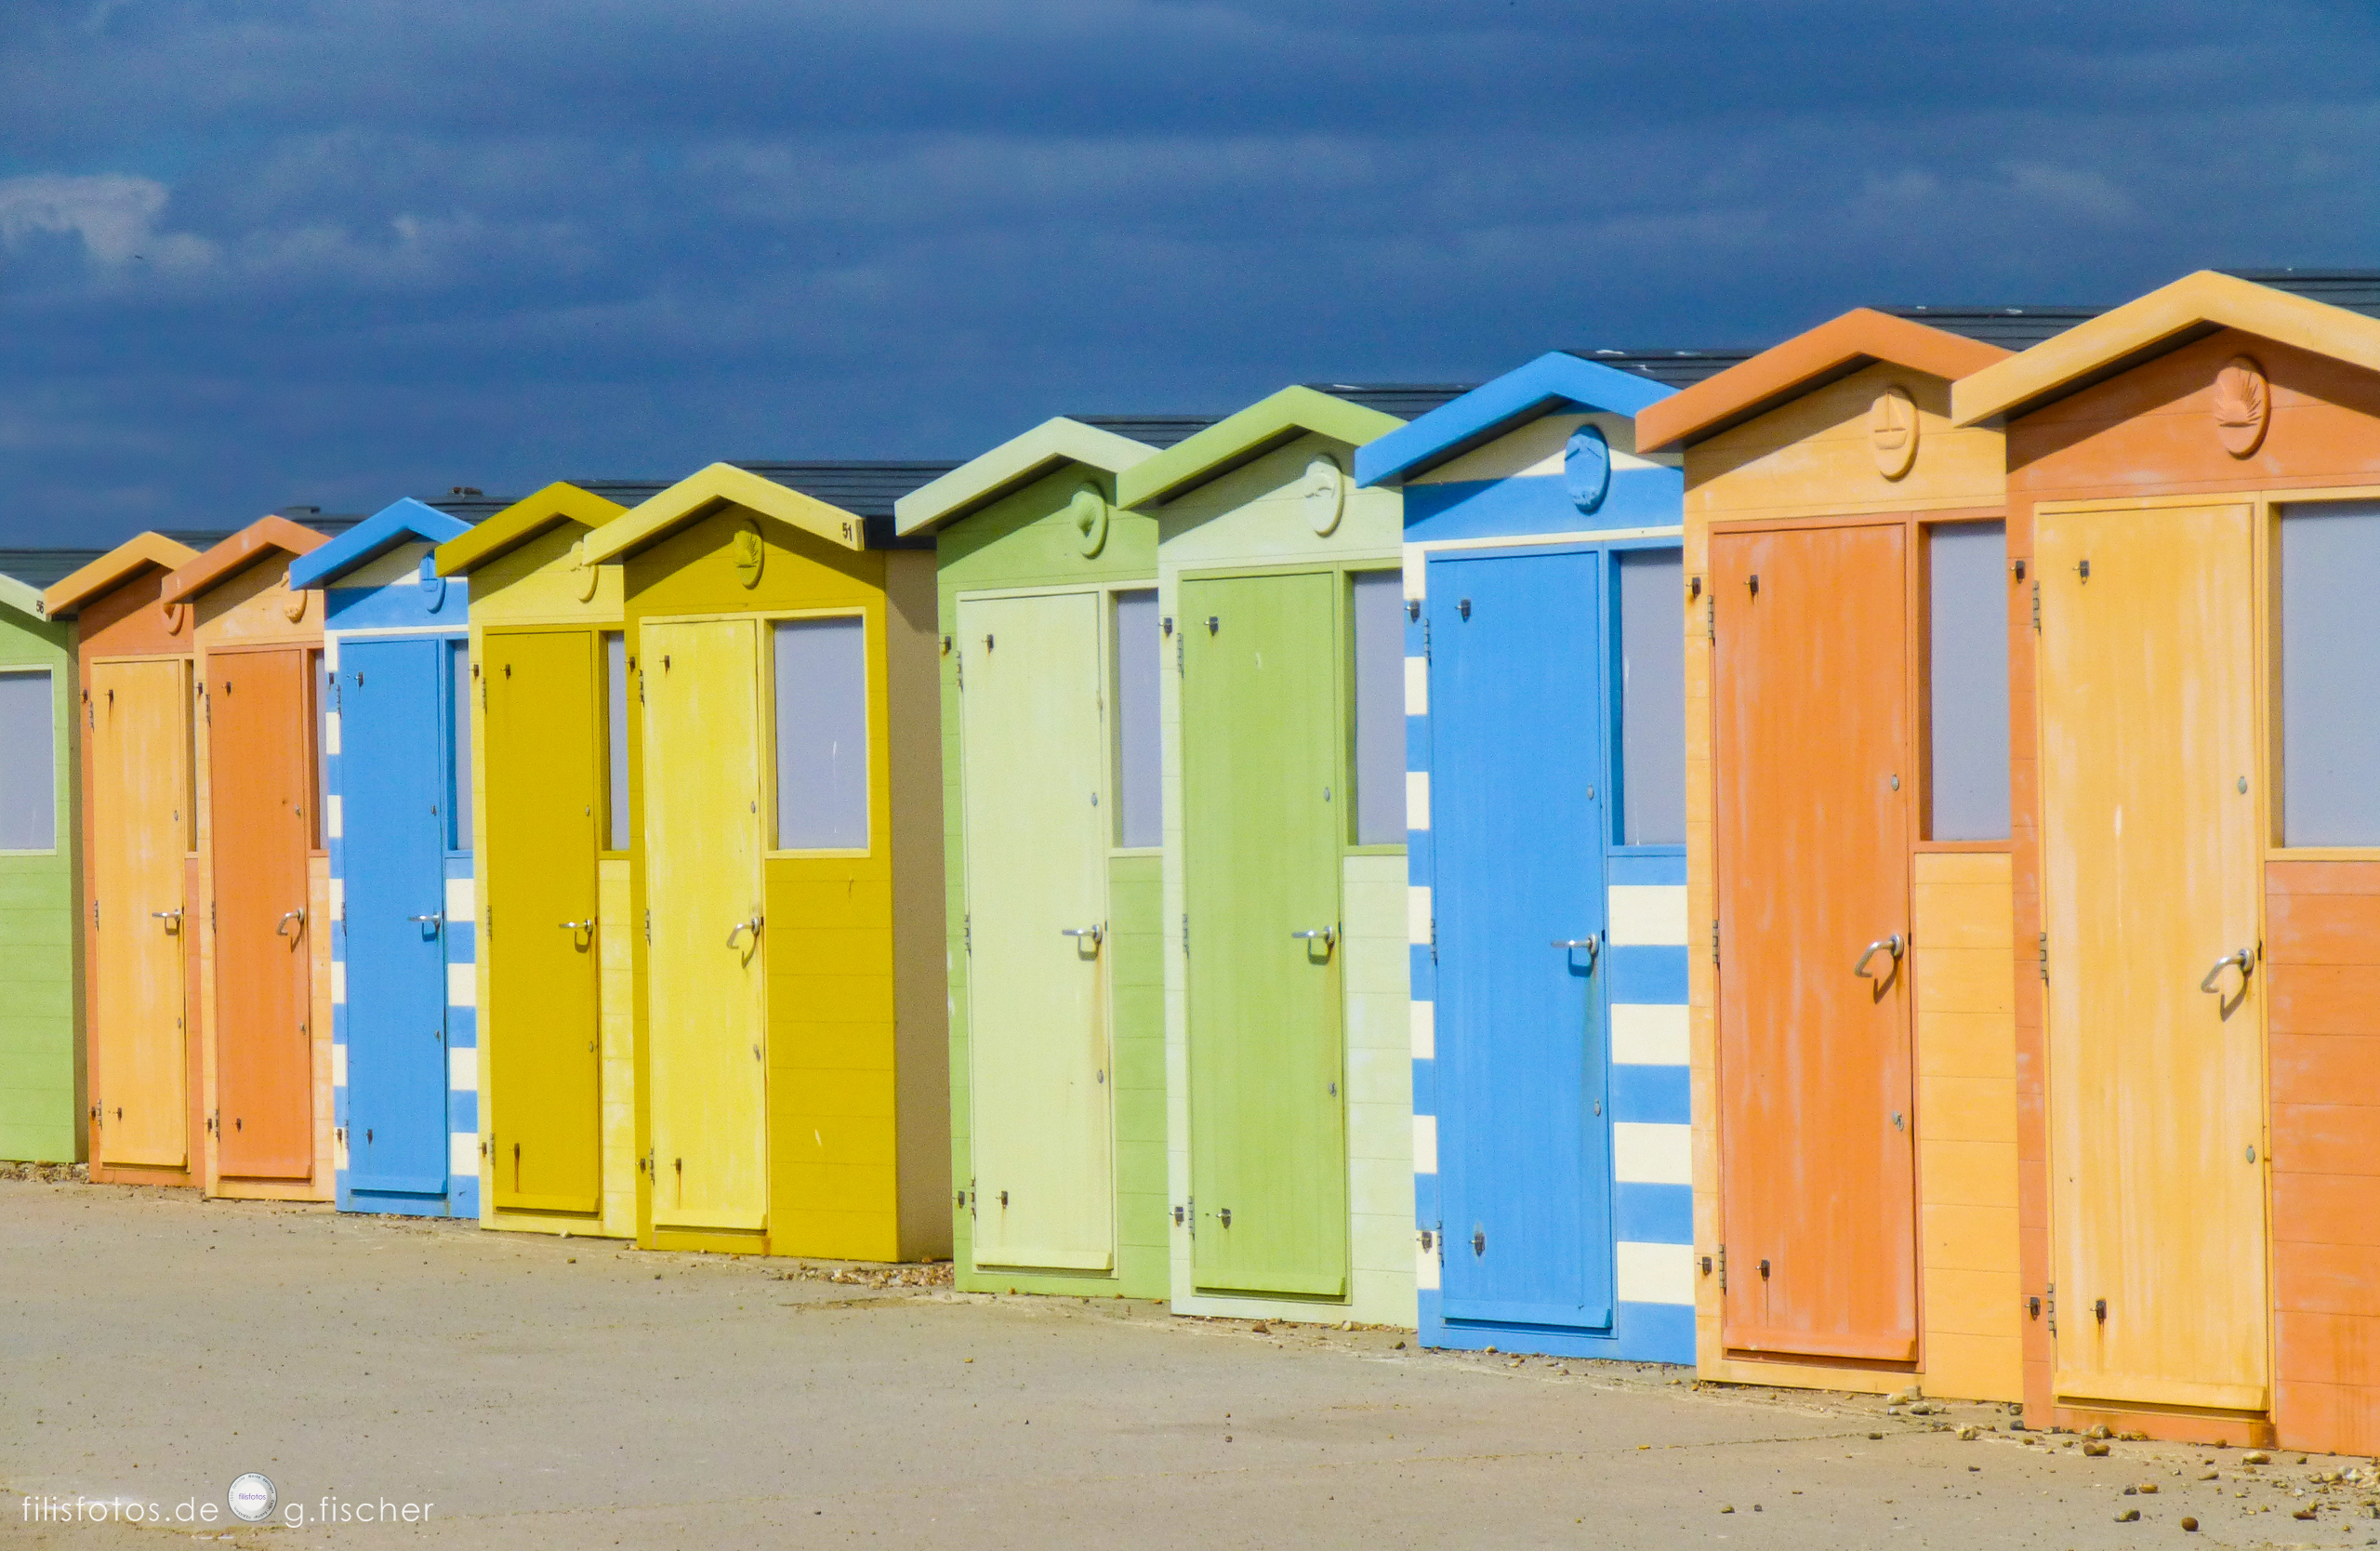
(1913, 524)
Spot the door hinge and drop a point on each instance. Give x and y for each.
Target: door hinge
(639, 686)
(967, 932)
(210, 915)
(2049, 1306)
(959, 669)
(1722, 1267)
(1715, 942)
(1178, 670)
(1433, 939)
(1185, 934)
(1710, 619)
(1425, 641)
(648, 926)
(95, 915)
(2037, 606)
(2044, 958)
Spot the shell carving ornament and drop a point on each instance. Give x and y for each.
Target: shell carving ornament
(1892, 432)
(2242, 405)
(293, 605)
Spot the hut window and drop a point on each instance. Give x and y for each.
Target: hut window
(1966, 706)
(458, 744)
(822, 734)
(615, 736)
(28, 762)
(1652, 697)
(1380, 708)
(2330, 684)
(1139, 773)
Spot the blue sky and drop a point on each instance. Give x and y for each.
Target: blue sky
(261, 252)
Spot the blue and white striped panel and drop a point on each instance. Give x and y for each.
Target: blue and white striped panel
(462, 1039)
(1651, 1104)
(1419, 862)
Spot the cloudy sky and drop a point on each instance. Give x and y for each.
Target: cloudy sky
(259, 252)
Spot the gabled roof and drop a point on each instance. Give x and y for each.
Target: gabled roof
(1014, 463)
(1244, 437)
(140, 553)
(402, 521)
(2165, 320)
(771, 489)
(1832, 351)
(587, 503)
(1558, 381)
(264, 536)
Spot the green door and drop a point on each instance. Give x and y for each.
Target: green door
(1034, 767)
(543, 749)
(1260, 827)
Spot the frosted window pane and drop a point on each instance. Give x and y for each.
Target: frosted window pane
(1652, 697)
(1967, 610)
(1140, 651)
(1380, 708)
(459, 770)
(28, 765)
(2329, 676)
(616, 732)
(821, 735)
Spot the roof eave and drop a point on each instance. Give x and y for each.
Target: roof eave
(1240, 438)
(2163, 320)
(140, 553)
(258, 540)
(701, 493)
(503, 532)
(1002, 470)
(1802, 364)
(404, 522)
(1498, 407)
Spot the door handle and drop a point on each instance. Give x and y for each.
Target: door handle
(281, 927)
(1328, 935)
(435, 917)
(1095, 933)
(173, 919)
(587, 925)
(2244, 961)
(1891, 945)
(752, 926)
(1593, 945)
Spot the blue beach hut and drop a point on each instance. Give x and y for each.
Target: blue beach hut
(1545, 800)
(397, 818)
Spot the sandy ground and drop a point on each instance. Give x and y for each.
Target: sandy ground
(534, 1392)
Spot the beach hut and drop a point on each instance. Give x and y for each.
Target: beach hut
(139, 839)
(1289, 1099)
(784, 798)
(1847, 823)
(262, 893)
(43, 1114)
(2194, 490)
(549, 749)
(398, 825)
(1052, 836)
(1546, 833)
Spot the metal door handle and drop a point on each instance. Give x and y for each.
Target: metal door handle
(1891, 945)
(752, 926)
(433, 915)
(1593, 945)
(1328, 934)
(165, 915)
(2244, 961)
(280, 929)
(1095, 933)
(587, 925)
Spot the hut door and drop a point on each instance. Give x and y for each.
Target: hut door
(262, 784)
(705, 1033)
(141, 786)
(542, 750)
(1517, 779)
(1035, 763)
(2150, 860)
(1810, 706)
(1262, 823)
(392, 854)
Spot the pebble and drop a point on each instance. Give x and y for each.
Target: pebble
(1967, 1435)
(2094, 1449)
(2129, 1516)
(2257, 1456)
(2302, 1513)
(1728, 1508)
(2188, 1523)
(2148, 1489)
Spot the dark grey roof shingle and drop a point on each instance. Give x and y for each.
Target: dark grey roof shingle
(39, 567)
(1157, 430)
(1407, 401)
(2009, 328)
(2357, 290)
(865, 489)
(1673, 369)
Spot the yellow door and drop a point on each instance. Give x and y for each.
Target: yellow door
(140, 823)
(2150, 859)
(707, 1072)
(1035, 763)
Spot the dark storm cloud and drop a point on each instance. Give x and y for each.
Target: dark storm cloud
(338, 252)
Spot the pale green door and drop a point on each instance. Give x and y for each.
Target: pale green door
(1260, 761)
(1033, 769)
(705, 1076)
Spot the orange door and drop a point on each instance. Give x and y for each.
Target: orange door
(1810, 703)
(262, 785)
(139, 798)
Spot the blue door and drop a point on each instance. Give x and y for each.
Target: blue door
(393, 843)
(1516, 751)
